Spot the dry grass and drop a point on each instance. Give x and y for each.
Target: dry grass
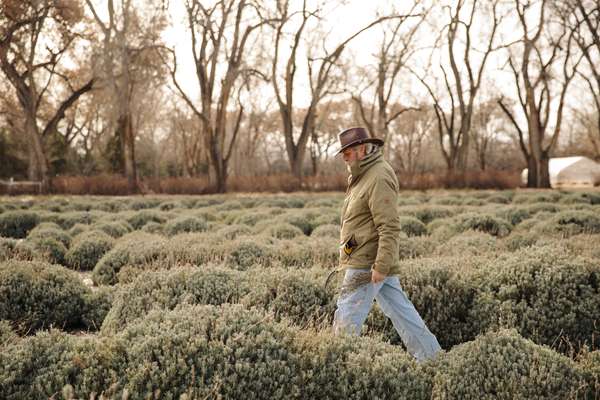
(95, 185)
(181, 185)
(288, 183)
(490, 179)
(117, 185)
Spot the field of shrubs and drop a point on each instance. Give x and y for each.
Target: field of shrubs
(223, 297)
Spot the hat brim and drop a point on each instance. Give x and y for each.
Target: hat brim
(376, 141)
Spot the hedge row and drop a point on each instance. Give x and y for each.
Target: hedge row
(545, 293)
(135, 248)
(480, 197)
(16, 224)
(298, 296)
(140, 251)
(503, 365)
(37, 295)
(87, 249)
(236, 247)
(228, 352)
(50, 230)
(41, 248)
(444, 234)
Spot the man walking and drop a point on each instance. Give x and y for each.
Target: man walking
(370, 235)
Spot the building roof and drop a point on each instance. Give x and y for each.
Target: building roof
(557, 164)
(571, 171)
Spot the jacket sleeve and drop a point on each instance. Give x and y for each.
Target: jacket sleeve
(383, 204)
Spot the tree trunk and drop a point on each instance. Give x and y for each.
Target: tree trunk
(538, 173)
(315, 152)
(531, 172)
(222, 176)
(125, 132)
(296, 162)
(38, 169)
(541, 177)
(482, 162)
(314, 158)
(382, 129)
(31, 165)
(543, 172)
(296, 153)
(450, 163)
(462, 157)
(218, 163)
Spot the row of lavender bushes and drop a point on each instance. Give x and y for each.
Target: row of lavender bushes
(116, 185)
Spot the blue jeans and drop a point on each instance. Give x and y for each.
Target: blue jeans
(353, 307)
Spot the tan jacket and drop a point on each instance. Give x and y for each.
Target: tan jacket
(370, 224)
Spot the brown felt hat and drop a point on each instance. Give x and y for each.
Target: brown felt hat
(355, 136)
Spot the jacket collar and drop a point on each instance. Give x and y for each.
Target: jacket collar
(358, 169)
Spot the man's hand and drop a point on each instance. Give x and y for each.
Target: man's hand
(377, 276)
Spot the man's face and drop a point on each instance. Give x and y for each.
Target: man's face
(353, 153)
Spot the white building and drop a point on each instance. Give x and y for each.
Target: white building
(571, 172)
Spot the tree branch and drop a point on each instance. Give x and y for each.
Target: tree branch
(60, 113)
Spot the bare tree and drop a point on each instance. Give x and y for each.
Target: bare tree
(487, 125)
(13, 140)
(407, 146)
(583, 17)
(332, 117)
(35, 37)
(537, 84)
(186, 134)
(463, 81)
(221, 43)
(92, 129)
(395, 49)
(261, 120)
(320, 67)
(584, 136)
(128, 55)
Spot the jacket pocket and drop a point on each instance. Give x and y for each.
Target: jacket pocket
(350, 245)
